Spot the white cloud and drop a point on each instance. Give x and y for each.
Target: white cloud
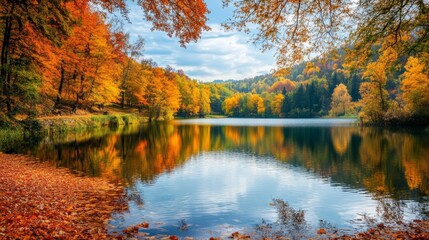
(217, 55)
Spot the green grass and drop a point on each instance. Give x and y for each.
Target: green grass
(88, 122)
(9, 138)
(216, 116)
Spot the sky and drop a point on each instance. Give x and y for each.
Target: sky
(218, 55)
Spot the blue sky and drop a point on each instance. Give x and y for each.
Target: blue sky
(217, 55)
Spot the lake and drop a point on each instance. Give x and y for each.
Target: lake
(212, 177)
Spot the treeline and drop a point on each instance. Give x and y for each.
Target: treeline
(389, 89)
(305, 91)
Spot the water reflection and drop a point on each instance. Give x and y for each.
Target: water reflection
(379, 161)
(225, 175)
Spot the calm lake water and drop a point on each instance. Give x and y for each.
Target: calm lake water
(212, 177)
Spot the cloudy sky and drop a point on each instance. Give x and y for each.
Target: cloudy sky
(217, 55)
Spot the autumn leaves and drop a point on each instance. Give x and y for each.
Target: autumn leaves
(64, 54)
(41, 202)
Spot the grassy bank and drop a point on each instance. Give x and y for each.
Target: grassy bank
(55, 124)
(10, 138)
(27, 131)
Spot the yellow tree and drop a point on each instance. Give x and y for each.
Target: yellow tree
(204, 100)
(276, 104)
(261, 106)
(137, 81)
(340, 101)
(191, 96)
(256, 104)
(170, 94)
(415, 86)
(310, 69)
(195, 100)
(375, 99)
(232, 104)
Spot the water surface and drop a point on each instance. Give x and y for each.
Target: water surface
(212, 177)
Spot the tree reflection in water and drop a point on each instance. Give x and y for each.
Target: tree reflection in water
(290, 223)
(382, 162)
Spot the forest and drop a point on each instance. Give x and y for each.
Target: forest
(60, 57)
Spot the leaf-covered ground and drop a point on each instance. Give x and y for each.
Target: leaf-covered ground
(38, 201)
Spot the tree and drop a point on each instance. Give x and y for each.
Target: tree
(232, 105)
(162, 95)
(353, 85)
(204, 100)
(282, 85)
(415, 87)
(375, 99)
(132, 51)
(89, 63)
(276, 104)
(340, 101)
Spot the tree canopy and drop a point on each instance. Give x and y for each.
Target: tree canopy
(297, 28)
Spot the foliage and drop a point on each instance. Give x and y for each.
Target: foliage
(282, 86)
(10, 138)
(415, 87)
(293, 28)
(340, 101)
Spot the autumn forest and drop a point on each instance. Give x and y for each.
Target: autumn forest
(62, 56)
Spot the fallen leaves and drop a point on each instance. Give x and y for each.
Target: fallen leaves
(40, 201)
(321, 231)
(237, 235)
(416, 229)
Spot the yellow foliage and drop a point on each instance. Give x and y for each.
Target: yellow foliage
(310, 69)
(340, 101)
(375, 99)
(231, 104)
(415, 87)
(205, 100)
(276, 104)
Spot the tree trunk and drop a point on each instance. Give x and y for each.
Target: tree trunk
(60, 88)
(79, 93)
(76, 103)
(124, 81)
(4, 58)
(122, 98)
(380, 89)
(7, 92)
